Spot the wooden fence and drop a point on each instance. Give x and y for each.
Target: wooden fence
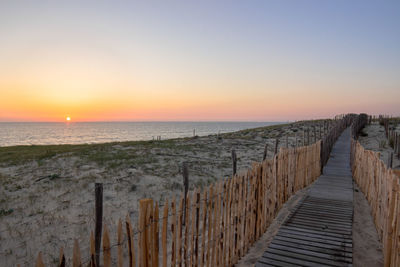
(330, 139)
(381, 187)
(221, 223)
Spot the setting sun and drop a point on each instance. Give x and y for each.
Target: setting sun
(68, 118)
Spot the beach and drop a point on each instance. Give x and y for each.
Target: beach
(47, 192)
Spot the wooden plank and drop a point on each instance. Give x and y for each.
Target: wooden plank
(321, 218)
(324, 250)
(299, 229)
(321, 236)
(263, 262)
(321, 225)
(319, 228)
(315, 239)
(290, 260)
(303, 255)
(324, 222)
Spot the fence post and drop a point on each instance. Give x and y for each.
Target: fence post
(234, 161)
(99, 219)
(265, 151)
(321, 156)
(320, 132)
(185, 174)
(315, 134)
(398, 146)
(276, 146)
(390, 160)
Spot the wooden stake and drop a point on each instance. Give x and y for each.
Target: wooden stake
(99, 219)
(145, 212)
(76, 259)
(155, 234)
(315, 135)
(276, 146)
(196, 244)
(164, 233)
(106, 248)
(193, 231)
(92, 251)
(119, 238)
(129, 233)
(62, 258)
(234, 161)
(173, 234)
(265, 152)
(390, 160)
(187, 227)
(210, 225)
(185, 174)
(204, 230)
(320, 132)
(39, 261)
(179, 240)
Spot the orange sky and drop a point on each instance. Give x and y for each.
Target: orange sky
(208, 62)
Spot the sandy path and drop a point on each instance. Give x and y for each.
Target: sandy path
(367, 249)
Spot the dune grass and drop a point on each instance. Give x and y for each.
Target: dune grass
(102, 153)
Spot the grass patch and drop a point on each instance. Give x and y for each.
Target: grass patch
(5, 212)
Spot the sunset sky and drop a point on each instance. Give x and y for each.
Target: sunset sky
(198, 60)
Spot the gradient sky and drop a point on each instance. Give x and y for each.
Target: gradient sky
(198, 60)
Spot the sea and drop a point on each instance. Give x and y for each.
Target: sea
(52, 133)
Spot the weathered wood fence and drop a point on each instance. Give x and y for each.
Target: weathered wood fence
(329, 140)
(221, 223)
(381, 187)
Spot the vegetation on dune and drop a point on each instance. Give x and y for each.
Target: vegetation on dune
(105, 152)
(133, 153)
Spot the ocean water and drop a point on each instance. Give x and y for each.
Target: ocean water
(45, 133)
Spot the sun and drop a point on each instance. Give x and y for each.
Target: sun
(68, 118)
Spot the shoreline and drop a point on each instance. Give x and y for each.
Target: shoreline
(16, 134)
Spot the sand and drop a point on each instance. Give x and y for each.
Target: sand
(367, 248)
(51, 196)
(376, 140)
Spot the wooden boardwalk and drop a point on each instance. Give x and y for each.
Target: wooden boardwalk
(319, 231)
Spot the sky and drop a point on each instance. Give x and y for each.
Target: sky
(198, 60)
